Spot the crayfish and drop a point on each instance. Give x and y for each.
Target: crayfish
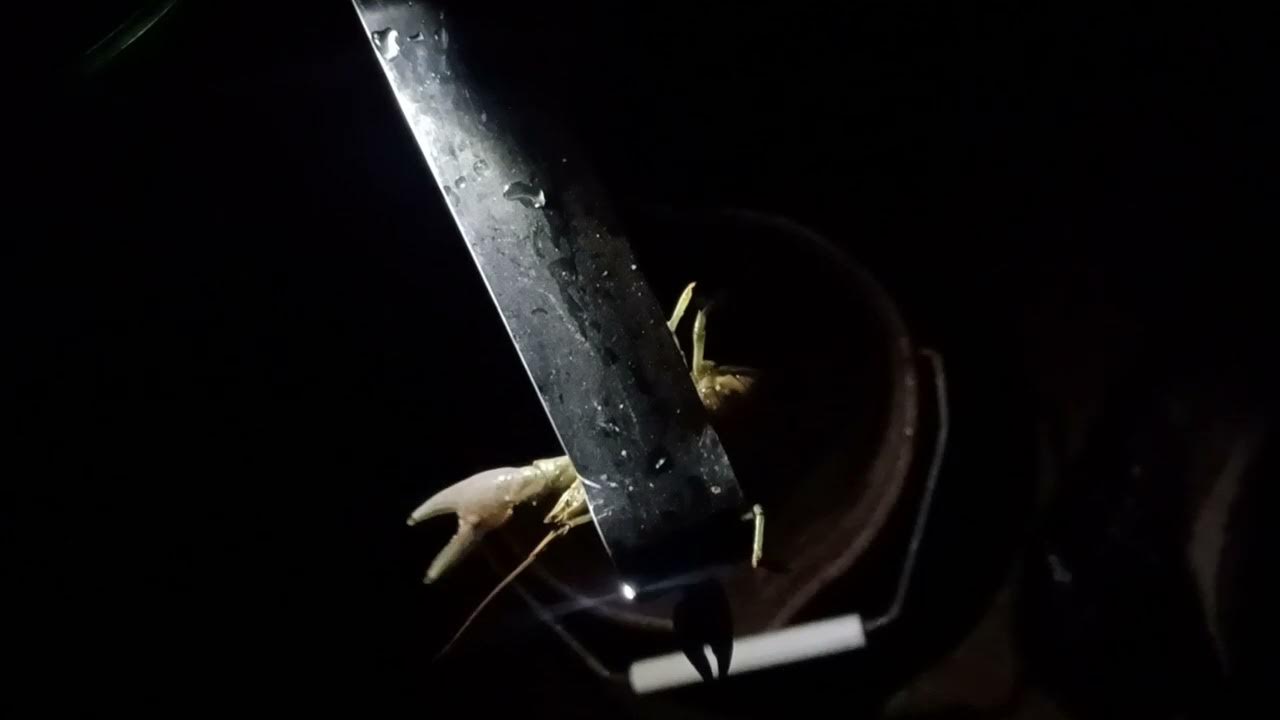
(486, 500)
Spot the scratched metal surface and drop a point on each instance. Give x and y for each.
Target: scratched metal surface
(589, 330)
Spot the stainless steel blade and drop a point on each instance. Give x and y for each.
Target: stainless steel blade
(585, 323)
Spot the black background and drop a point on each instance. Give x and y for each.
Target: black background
(241, 308)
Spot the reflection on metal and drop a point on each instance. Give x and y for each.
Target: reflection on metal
(586, 325)
(125, 34)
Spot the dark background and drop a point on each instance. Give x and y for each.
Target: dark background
(240, 310)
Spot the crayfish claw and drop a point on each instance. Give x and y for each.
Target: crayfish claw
(482, 499)
(481, 502)
(438, 504)
(457, 548)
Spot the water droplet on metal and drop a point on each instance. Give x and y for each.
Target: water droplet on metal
(715, 489)
(461, 182)
(525, 194)
(624, 453)
(661, 461)
(484, 116)
(481, 167)
(387, 41)
(565, 271)
(633, 266)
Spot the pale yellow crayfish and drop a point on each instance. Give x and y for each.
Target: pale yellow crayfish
(486, 500)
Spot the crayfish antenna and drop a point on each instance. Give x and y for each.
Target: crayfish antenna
(505, 582)
(565, 527)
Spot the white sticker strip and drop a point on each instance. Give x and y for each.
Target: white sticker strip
(755, 652)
